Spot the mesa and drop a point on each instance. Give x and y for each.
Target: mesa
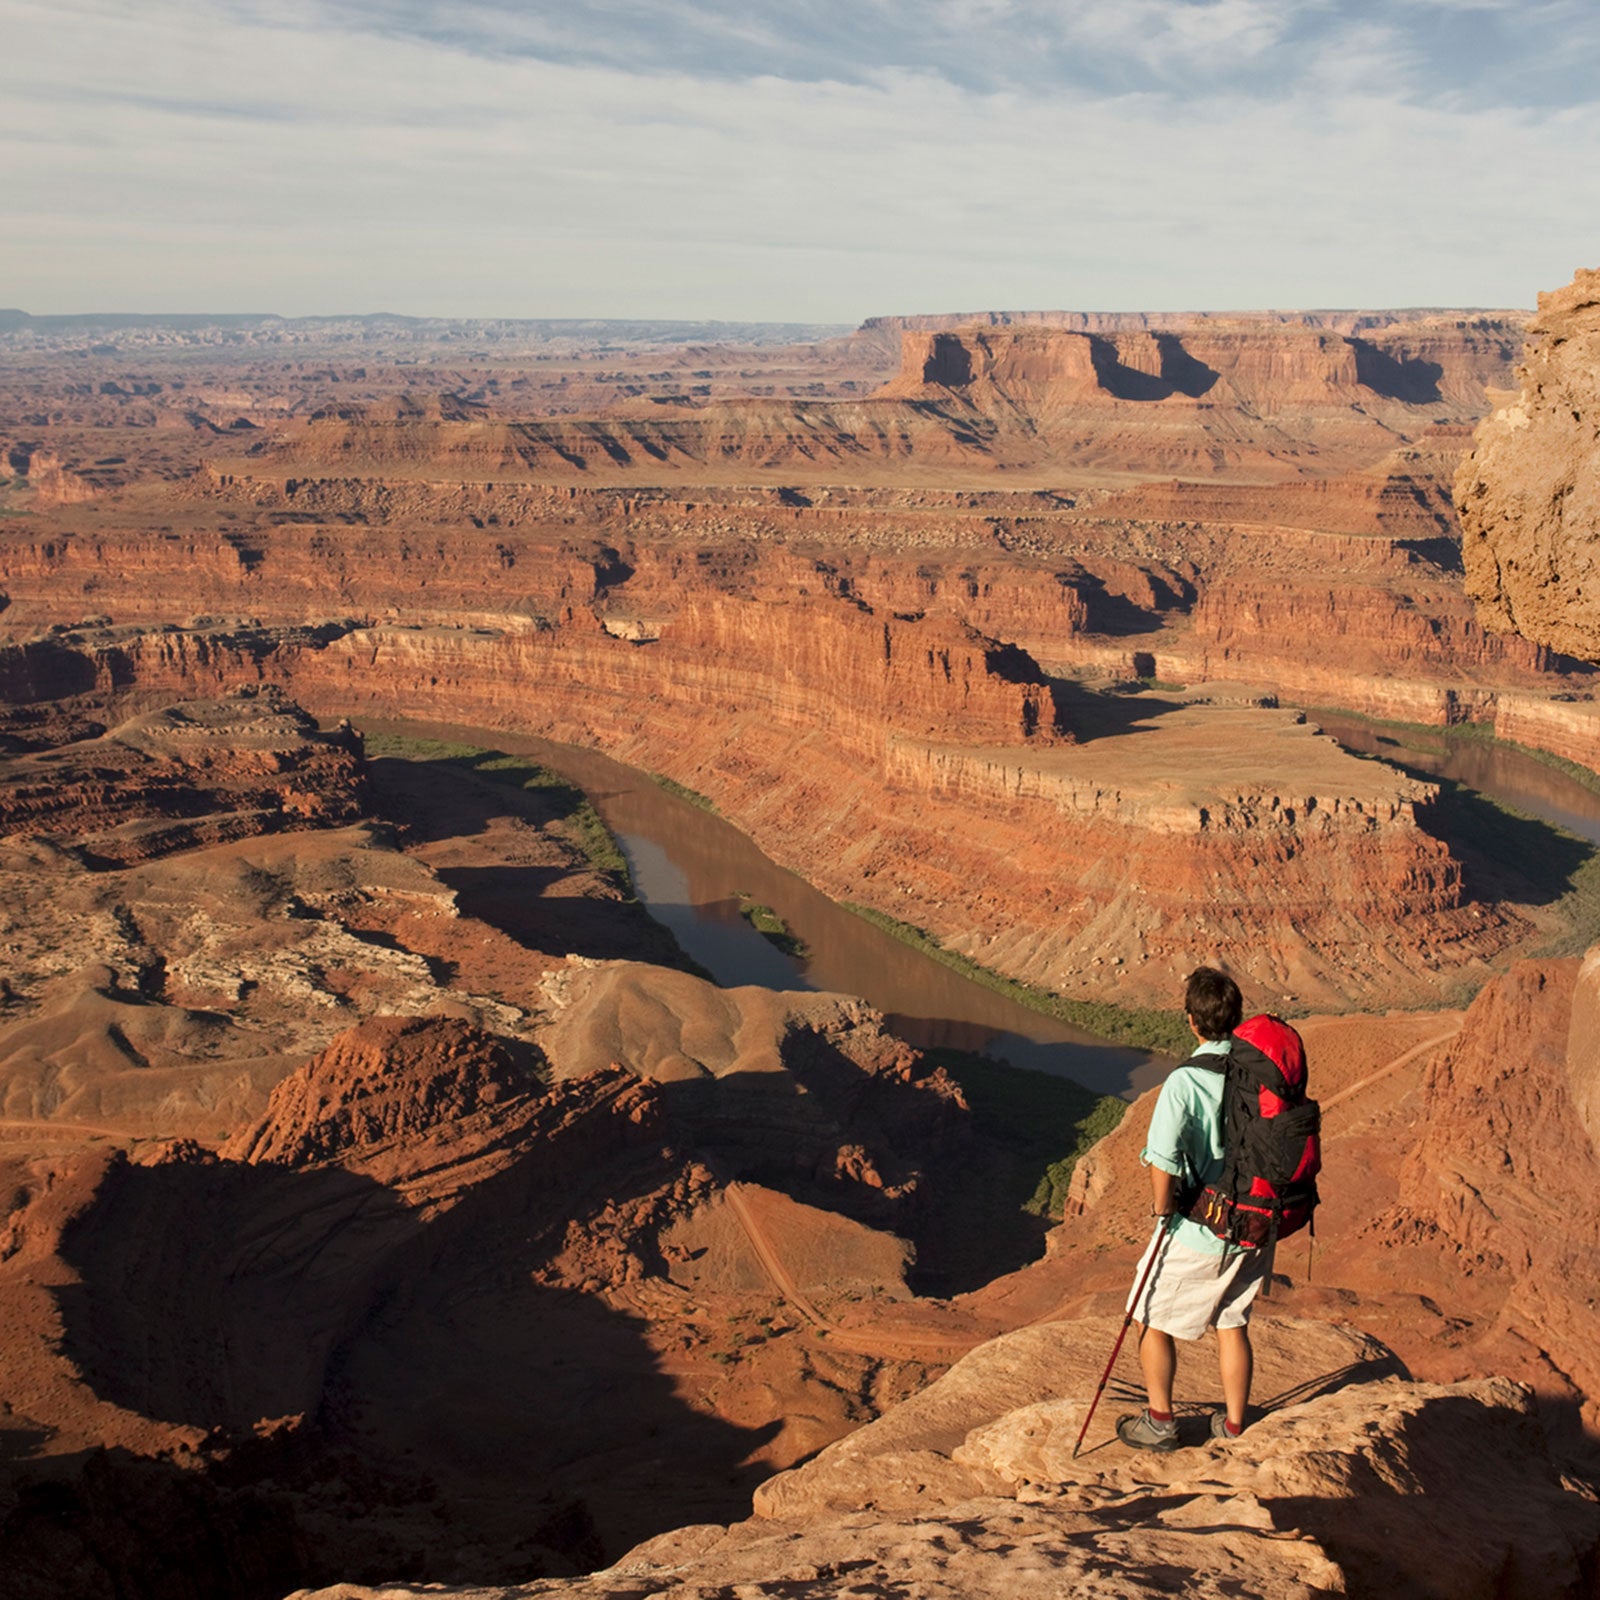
(398, 720)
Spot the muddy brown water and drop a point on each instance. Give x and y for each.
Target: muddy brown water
(1498, 771)
(690, 869)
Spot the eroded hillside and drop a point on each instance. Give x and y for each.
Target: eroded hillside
(388, 1201)
(915, 597)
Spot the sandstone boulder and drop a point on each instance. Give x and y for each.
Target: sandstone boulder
(1529, 494)
(1370, 1488)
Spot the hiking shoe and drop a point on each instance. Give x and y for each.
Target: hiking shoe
(1219, 1427)
(1143, 1433)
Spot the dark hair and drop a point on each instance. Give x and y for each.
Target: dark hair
(1213, 1002)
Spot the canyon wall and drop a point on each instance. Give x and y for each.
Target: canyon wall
(946, 783)
(1292, 367)
(863, 626)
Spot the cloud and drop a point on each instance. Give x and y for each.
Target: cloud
(171, 154)
(1529, 52)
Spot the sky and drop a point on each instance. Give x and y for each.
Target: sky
(794, 160)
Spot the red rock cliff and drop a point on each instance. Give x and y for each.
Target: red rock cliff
(1529, 494)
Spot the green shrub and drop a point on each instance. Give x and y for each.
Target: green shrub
(1141, 1027)
(582, 822)
(773, 928)
(684, 792)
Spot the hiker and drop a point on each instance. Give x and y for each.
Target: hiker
(1198, 1281)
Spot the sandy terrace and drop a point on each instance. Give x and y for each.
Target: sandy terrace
(1193, 767)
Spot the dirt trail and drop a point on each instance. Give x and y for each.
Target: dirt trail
(889, 1343)
(761, 1243)
(1390, 1067)
(65, 1130)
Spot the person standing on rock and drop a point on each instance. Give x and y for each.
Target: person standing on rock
(1196, 1281)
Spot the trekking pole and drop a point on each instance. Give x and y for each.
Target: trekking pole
(1127, 1321)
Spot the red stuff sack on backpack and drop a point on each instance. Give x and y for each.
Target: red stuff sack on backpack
(1271, 1138)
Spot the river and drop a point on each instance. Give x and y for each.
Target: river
(1498, 771)
(692, 870)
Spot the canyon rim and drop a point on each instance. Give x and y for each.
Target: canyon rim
(390, 1200)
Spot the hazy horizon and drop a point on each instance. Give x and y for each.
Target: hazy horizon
(185, 314)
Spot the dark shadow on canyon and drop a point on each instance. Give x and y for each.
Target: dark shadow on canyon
(112, 1525)
(1504, 856)
(21, 1443)
(1115, 615)
(957, 1184)
(512, 899)
(1096, 714)
(1180, 372)
(1407, 378)
(448, 796)
(458, 797)
(433, 1396)
(1443, 554)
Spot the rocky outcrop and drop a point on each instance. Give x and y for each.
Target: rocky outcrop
(394, 1080)
(574, 1262)
(1568, 728)
(1529, 495)
(183, 776)
(811, 1094)
(1506, 1174)
(1365, 1488)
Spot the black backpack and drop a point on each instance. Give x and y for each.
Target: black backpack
(1271, 1138)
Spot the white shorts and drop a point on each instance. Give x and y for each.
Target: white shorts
(1190, 1291)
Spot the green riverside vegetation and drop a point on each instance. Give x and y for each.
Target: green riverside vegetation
(1141, 1027)
(772, 927)
(684, 792)
(1044, 1123)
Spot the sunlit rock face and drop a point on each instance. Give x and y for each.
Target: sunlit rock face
(1529, 494)
(1529, 501)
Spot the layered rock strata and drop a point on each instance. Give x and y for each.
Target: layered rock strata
(966, 743)
(731, 594)
(1039, 369)
(181, 776)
